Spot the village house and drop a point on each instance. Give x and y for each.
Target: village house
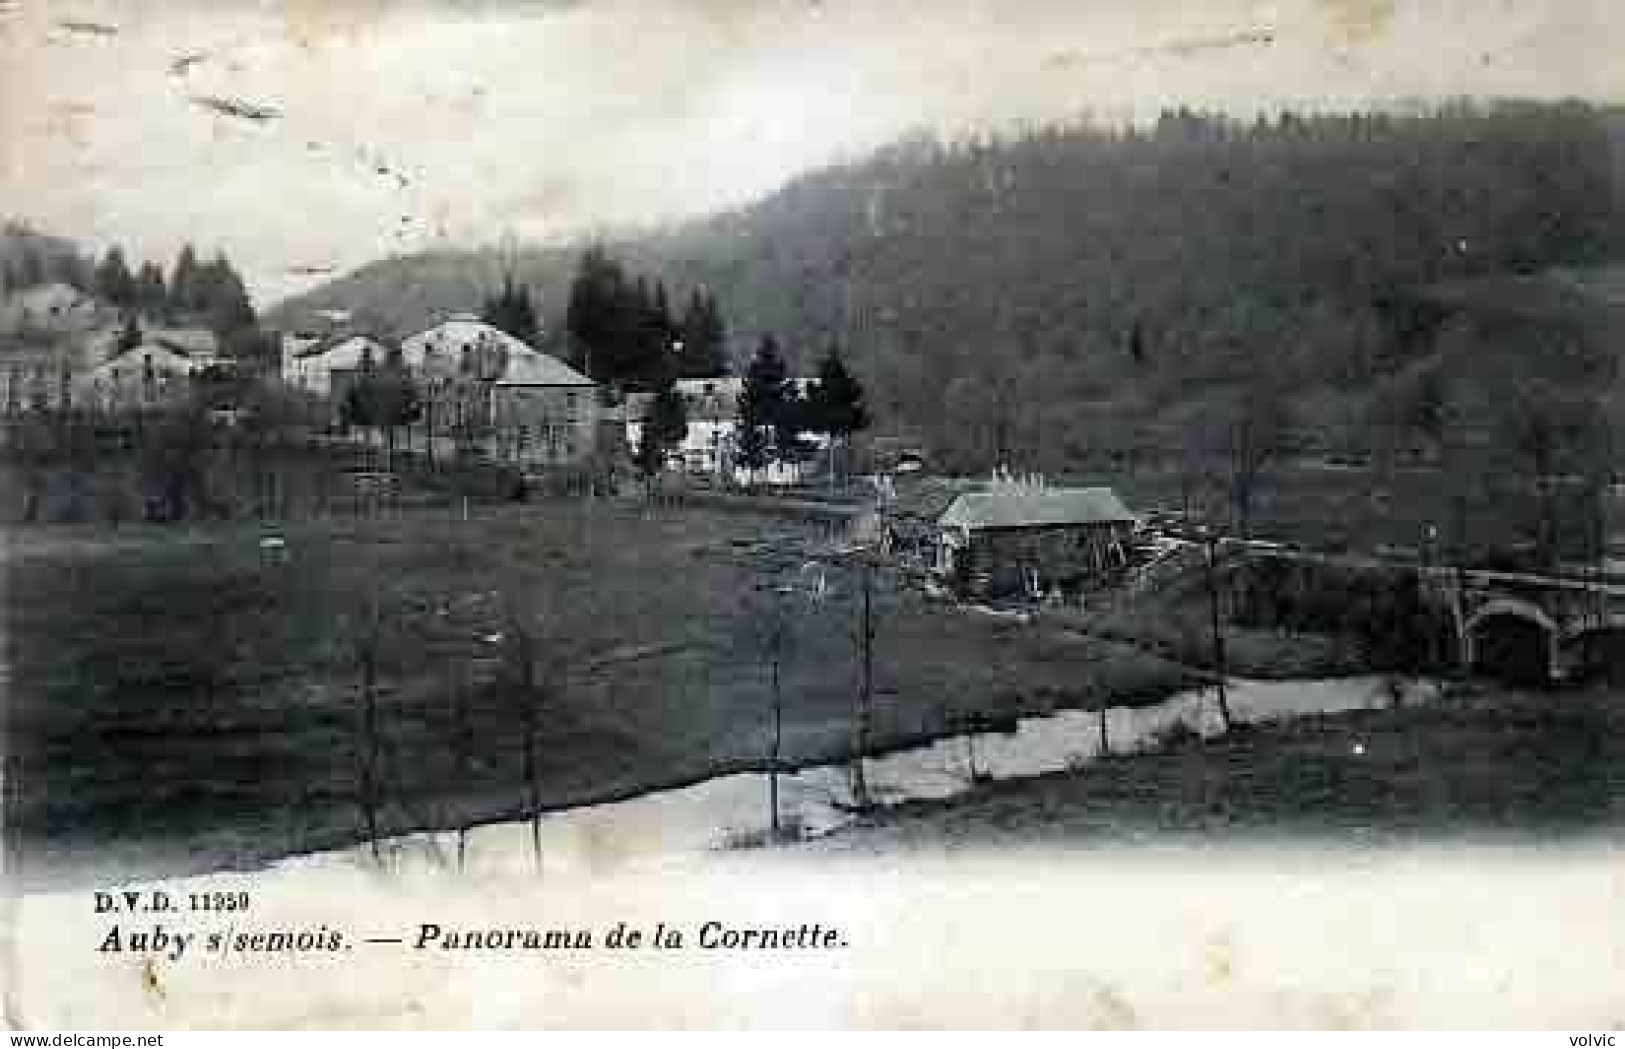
(327, 368)
(1022, 537)
(51, 309)
(56, 371)
(713, 408)
(486, 389)
(543, 412)
(147, 376)
(38, 379)
(297, 344)
(480, 389)
(305, 360)
(711, 447)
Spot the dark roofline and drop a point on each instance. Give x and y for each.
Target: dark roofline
(1091, 522)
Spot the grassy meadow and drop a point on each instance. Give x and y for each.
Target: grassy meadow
(181, 697)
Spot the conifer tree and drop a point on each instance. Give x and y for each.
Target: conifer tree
(835, 404)
(224, 299)
(183, 281)
(704, 336)
(596, 295)
(762, 405)
(664, 429)
(384, 397)
(113, 280)
(512, 311)
(151, 294)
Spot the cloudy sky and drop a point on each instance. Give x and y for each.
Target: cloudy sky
(303, 135)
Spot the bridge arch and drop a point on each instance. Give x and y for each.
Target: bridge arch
(1516, 607)
(1514, 639)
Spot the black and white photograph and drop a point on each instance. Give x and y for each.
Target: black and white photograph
(812, 514)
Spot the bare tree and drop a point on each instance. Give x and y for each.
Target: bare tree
(1220, 671)
(528, 690)
(461, 741)
(775, 640)
(367, 637)
(864, 706)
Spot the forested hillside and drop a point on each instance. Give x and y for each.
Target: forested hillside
(1072, 291)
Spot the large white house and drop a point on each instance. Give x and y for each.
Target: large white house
(515, 402)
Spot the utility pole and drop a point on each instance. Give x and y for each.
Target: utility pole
(1430, 588)
(860, 721)
(778, 738)
(776, 643)
(1463, 639)
(1218, 634)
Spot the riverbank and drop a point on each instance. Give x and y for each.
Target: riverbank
(1529, 766)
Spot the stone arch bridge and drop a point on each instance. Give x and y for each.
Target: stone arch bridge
(1530, 627)
(1535, 628)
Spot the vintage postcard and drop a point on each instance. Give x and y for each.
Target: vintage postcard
(812, 514)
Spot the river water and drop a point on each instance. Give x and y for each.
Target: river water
(733, 811)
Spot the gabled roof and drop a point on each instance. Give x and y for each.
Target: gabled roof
(164, 359)
(346, 353)
(1034, 507)
(299, 345)
(538, 369)
(45, 296)
(449, 337)
(52, 307)
(192, 341)
(928, 496)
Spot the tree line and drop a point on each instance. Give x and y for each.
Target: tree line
(210, 292)
(205, 292)
(774, 411)
(625, 331)
(1073, 295)
(1058, 296)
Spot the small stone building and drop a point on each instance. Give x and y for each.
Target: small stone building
(1023, 538)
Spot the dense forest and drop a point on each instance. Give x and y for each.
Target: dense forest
(1070, 292)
